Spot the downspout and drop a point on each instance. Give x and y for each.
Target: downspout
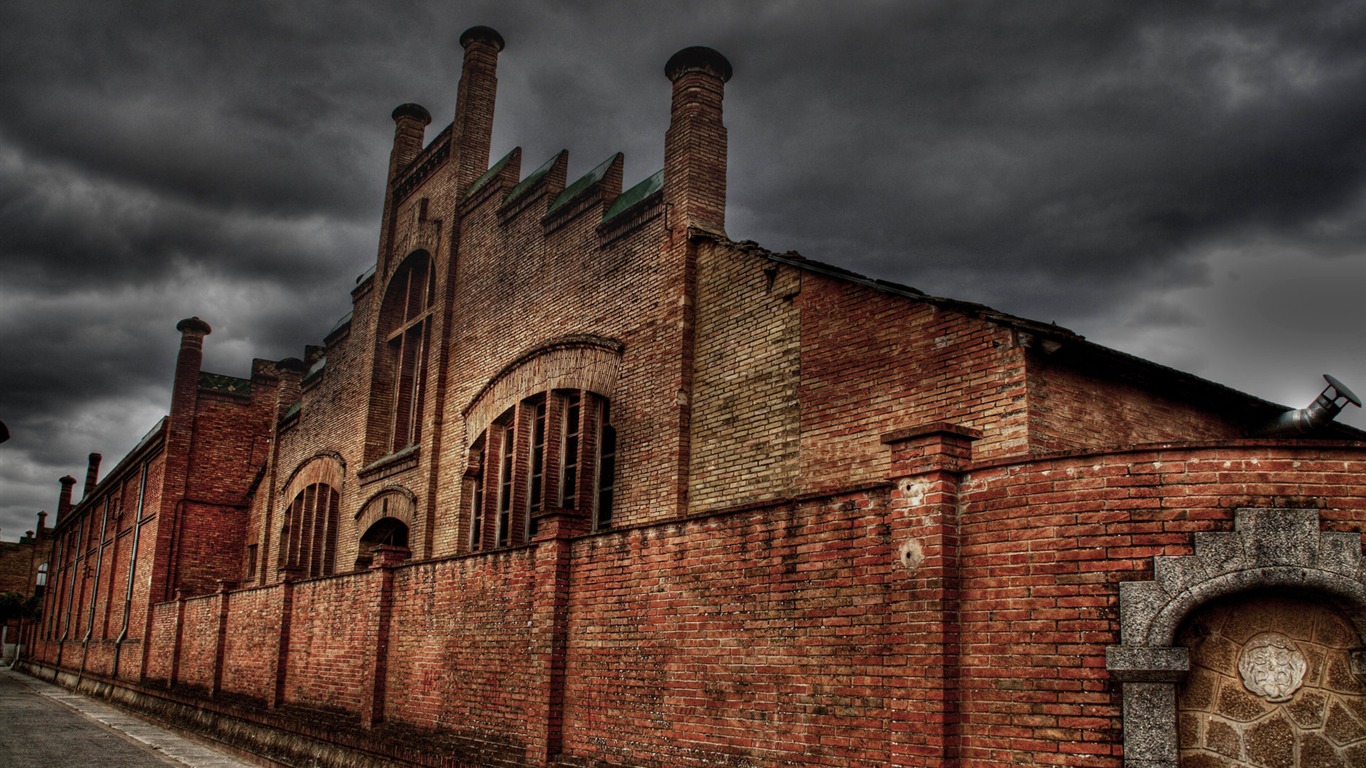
(99, 565)
(54, 575)
(71, 586)
(132, 570)
(95, 590)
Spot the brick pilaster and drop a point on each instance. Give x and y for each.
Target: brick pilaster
(289, 573)
(927, 468)
(176, 639)
(220, 644)
(386, 558)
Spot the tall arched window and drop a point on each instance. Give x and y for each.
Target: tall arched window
(551, 452)
(311, 527)
(404, 336)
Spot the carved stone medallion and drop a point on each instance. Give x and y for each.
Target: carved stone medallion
(1272, 667)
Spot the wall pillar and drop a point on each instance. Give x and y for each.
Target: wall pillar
(928, 463)
(220, 644)
(553, 566)
(176, 637)
(289, 574)
(386, 558)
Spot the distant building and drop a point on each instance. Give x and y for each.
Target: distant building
(23, 572)
(582, 482)
(23, 564)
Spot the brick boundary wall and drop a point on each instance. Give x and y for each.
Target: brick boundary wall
(953, 615)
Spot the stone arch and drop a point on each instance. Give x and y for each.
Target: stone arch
(310, 504)
(395, 503)
(591, 363)
(326, 467)
(1269, 549)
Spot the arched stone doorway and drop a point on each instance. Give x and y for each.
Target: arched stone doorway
(1270, 553)
(1270, 685)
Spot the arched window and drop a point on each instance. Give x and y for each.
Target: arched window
(385, 532)
(551, 452)
(404, 335)
(386, 519)
(311, 531)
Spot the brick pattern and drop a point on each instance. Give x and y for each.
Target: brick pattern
(872, 362)
(198, 647)
(461, 652)
(328, 645)
(253, 633)
(1071, 410)
(1044, 547)
(957, 611)
(746, 413)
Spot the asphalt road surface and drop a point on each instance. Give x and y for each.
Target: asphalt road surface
(43, 726)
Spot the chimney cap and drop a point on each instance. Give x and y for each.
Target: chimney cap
(67, 480)
(695, 58)
(193, 324)
(482, 34)
(415, 111)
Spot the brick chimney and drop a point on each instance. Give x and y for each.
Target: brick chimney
(695, 144)
(92, 472)
(410, 123)
(472, 131)
(64, 497)
(42, 525)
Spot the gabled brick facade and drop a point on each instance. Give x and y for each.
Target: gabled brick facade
(581, 481)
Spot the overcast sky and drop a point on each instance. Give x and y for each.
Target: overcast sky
(1181, 181)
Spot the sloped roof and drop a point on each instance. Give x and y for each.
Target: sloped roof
(1066, 347)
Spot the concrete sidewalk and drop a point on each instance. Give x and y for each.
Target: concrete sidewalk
(46, 725)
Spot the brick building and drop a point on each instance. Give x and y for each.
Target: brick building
(582, 482)
(22, 561)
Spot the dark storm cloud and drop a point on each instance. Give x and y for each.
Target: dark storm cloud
(1186, 181)
(1032, 137)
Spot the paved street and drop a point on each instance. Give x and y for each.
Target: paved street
(42, 726)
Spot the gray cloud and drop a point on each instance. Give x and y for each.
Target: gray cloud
(1184, 181)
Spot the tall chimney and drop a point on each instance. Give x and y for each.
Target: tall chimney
(42, 524)
(410, 123)
(472, 132)
(695, 144)
(92, 471)
(64, 497)
(188, 362)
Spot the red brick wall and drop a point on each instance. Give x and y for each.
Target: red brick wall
(210, 547)
(332, 635)
(873, 362)
(1044, 547)
(104, 545)
(251, 640)
(461, 651)
(161, 642)
(785, 634)
(198, 642)
(230, 447)
(759, 637)
(1071, 410)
